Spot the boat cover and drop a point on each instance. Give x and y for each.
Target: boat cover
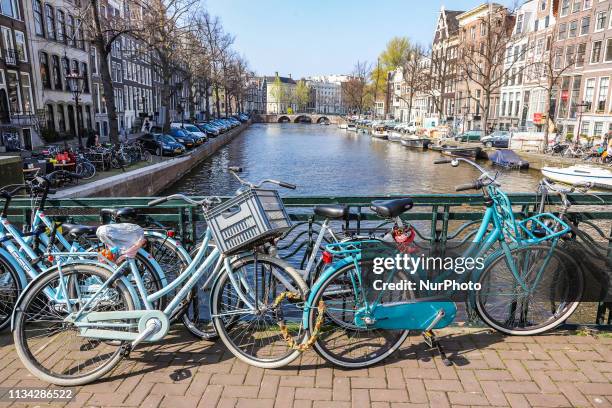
(506, 158)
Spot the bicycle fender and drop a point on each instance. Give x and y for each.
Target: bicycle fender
(15, 265)
(176, 243)
(315, 287)
(156, 266)
(53, 268)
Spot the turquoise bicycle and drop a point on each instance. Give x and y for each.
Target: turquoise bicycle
(527, 285)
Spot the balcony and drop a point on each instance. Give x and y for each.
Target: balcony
(24, 119)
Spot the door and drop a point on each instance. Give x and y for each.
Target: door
(27, 139)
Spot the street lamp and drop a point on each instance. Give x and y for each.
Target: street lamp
(75, 84)
(182, 105)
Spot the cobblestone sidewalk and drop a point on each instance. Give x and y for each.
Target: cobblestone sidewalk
(560, 370)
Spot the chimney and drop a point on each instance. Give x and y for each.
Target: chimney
(289, 76)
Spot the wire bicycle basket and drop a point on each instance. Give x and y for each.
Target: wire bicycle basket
(247, 220)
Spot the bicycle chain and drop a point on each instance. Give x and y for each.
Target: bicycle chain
(317, 327)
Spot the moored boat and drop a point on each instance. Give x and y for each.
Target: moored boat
(395, 135)
(456, 151)
(342, 125)
(380, 132)
(601, 178)
(508, 159)
(416, 142)
(351, 127)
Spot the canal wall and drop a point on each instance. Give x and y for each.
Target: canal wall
(150, 180)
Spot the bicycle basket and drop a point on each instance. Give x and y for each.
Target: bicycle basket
(249, 219)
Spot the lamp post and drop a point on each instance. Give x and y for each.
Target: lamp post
(182, 105)
(75, 84)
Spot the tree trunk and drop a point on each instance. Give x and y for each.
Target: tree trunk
(207, 96)
(217, 102)
(549, 92)
(165, 94)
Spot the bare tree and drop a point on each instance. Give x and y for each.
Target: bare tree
(102, 32)
(438, 77)
(412, 73)
(355, 90)
(481, 63)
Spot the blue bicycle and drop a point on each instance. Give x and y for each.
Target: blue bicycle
(528, 285)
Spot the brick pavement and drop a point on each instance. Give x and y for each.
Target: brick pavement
(559, 370)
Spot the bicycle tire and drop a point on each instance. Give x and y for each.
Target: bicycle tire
(526, 325)
(10, 289)
(34, 293)
(233, 322)
(338, 357)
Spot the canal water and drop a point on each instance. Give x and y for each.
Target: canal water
(328, 161)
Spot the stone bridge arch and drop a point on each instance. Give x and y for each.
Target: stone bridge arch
(302, 119)
(284, 119)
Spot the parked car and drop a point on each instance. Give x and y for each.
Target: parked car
(469, 136)
(192, 129)
(499, 138)
(161, 144)
(210, 130)
(183, 137)
(221, 125)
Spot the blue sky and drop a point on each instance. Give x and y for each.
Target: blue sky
(324, 37)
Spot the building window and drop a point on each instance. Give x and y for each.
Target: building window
(26, 86)
(79, 34)
(562, 34)
(576, 6)
(587, 4)
(14, 94)
(569, 55)
(61, 26)
(85, 75)
(565, 5)
(609, 50)
(10, 8)
(66, 70)
(596, 52)
(519, 24)
(20, 46)
(589, 93)
(543, 5)
(573, 29)
(38, 18)
(50, 21)
(45, 74)
(598, 129)
(585, 25)
(603, 94)
(57, 73)
(600, 21)
(580, 54)
(50, 117)
(70, 30)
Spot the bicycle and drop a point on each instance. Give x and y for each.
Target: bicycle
(517, 281)
(246, 307)
(22, 254)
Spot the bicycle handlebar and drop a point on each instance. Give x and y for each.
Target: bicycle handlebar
(235, 170)
(484, 180)
(205, 201)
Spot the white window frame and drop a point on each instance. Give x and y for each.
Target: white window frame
(30, 94)
(19, 99)
(593, 49)
(595, 29)
(25, 46)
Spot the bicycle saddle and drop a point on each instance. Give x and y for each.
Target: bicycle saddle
(76, 230)
(332, 211)
(391, 208)
(125, 213)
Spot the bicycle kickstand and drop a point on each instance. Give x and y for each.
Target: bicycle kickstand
(432, 341)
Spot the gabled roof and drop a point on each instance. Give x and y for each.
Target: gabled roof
(449, 22)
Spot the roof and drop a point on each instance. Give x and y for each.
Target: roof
(451, 24)
(284, 80)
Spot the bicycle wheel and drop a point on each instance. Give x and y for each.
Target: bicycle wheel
(553, 287)
(197, 317)
(340, 341)
(89, 170)
(10, 288)
(255, 337)
(49, 345)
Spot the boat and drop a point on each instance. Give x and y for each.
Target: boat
(417, 142)
(342, 125)
(509, 159)
(456, 151)
(394, 135)
(380, 132)
(351, 127)
(601, 178)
